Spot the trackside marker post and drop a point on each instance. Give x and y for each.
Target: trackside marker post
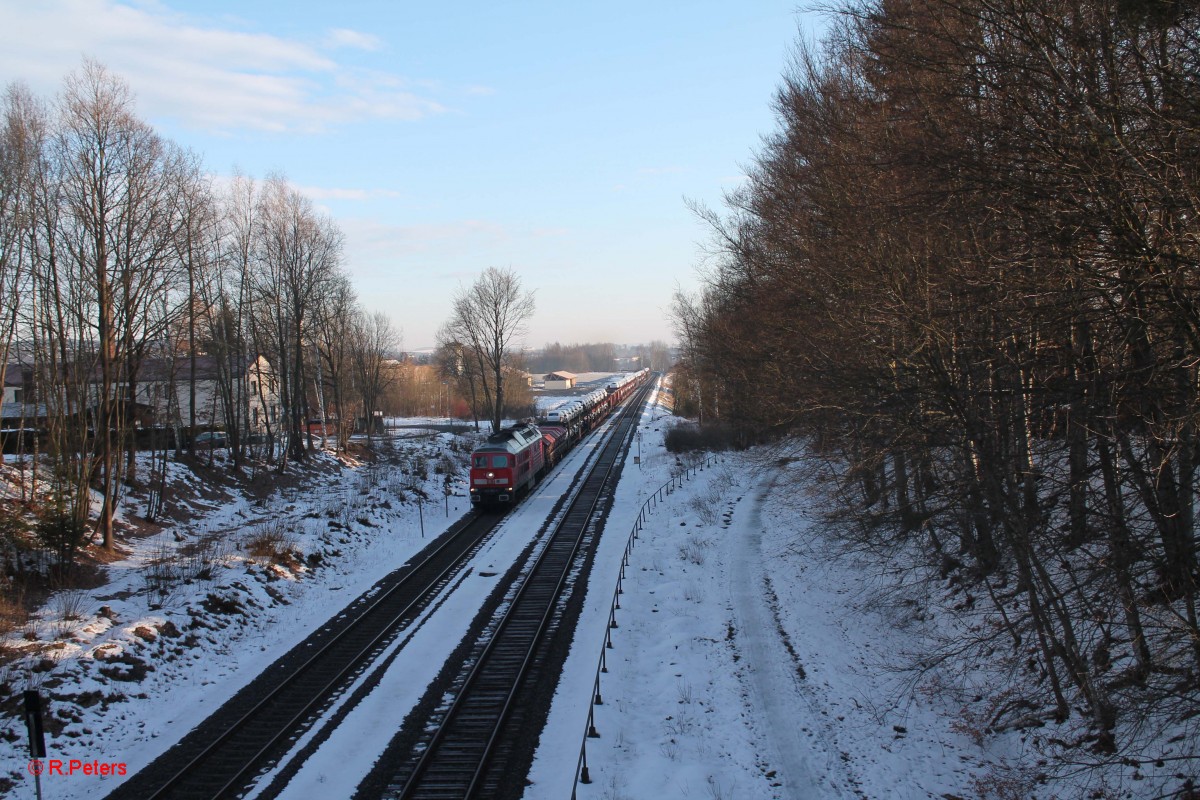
(37, 736)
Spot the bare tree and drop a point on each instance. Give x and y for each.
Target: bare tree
(23, 173)
(22, 136)
(298, 255)
(196, 246)
(373, 339)
(337, 339)
(115, 232)
(229, 297)
(488, 317)
(964, 269)
(114, 249)
(457, 365)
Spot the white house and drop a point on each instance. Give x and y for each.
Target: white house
(164, 385)
(163, 393)
(14, 384)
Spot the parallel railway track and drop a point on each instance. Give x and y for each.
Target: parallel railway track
(223, 754)
(248, 734)
(458, 760)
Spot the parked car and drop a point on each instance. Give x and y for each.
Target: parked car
(210, 439)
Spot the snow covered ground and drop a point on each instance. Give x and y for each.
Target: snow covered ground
(155, 650)
(749, 661)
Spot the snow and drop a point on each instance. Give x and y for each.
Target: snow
(333, 770)
(352, 516)
(728, 677)
(750, 659)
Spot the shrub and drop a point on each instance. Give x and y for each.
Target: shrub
(419, 467)
(684, 437)
(707, 505)
(272, 541)
(695, 551)
(204, 558)
(13, 527)
(62, 533)
(163, 569)
(13, 614)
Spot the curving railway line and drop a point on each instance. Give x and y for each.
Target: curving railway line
(248, 735)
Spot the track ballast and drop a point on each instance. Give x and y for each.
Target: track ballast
(463, 757)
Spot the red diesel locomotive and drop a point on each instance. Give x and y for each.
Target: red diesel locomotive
(507, 465)
(514, 459)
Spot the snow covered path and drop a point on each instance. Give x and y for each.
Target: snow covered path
(806, 764)
(753, 659)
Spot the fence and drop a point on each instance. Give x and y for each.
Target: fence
(590, 732)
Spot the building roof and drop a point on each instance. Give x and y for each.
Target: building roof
(561, 376)
(160, 369)
(28, 411)
(156, 369)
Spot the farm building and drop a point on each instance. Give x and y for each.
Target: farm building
(560, 380)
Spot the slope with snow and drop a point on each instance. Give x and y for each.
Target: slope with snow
(751, 658)
(749, 661)
(193, 612)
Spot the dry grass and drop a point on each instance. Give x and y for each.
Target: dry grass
(14, 617)
(70, 608)
(172, 565)
(271, 541)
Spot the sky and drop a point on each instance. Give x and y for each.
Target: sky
(560, 140)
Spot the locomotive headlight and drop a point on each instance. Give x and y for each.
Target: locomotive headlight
(491, 474)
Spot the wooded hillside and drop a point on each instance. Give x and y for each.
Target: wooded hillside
(965, 270)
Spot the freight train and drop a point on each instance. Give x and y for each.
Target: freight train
(513, 460)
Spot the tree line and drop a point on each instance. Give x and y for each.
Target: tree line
(119, 253)
(599, 357)
(965, 270)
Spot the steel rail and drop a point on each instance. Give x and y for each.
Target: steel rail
(572, 537)
(314, 662)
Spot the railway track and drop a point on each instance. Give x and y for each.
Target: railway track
(248, 734)
(258, 724)
(459, 758)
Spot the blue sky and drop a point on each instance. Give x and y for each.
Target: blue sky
(559, 139)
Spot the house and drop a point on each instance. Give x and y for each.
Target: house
(15, 412)
(163, 395)
(165, 385)
(560, 380)
(162, 399)
(19, 420)
(16, 378)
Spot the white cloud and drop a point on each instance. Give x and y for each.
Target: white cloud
(202, 75)
(344, 37)
(382, 242)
